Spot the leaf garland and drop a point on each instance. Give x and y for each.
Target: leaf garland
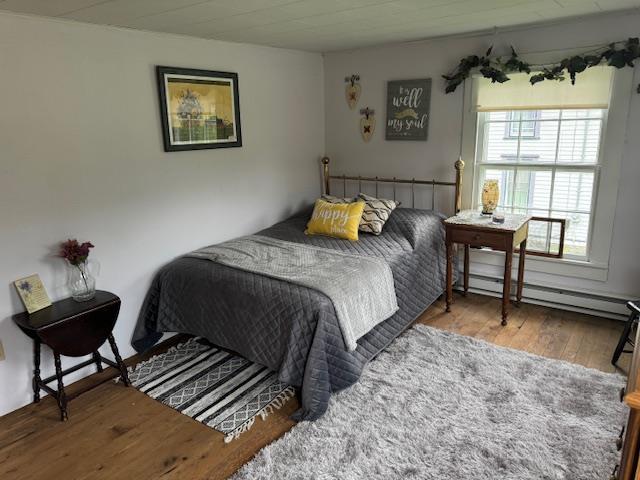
(618, 54)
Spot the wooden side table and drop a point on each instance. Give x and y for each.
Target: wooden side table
(471, 229)
(74, 329)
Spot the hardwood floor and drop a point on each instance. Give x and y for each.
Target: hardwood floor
(119, 433)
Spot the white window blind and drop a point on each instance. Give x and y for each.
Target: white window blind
(592, 90)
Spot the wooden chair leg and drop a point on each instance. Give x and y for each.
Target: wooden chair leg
(623, 338)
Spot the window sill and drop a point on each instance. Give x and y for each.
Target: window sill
(555, 266)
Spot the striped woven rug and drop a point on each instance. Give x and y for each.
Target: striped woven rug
(224, 391)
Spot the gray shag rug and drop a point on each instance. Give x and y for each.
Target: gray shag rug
(436, 405)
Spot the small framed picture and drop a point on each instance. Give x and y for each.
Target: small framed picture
(32, 292)
(199, 109)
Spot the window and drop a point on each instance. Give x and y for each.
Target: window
(546, 165)
(574, 174)
(522, 124)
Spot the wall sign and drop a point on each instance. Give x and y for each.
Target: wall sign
(408, 104)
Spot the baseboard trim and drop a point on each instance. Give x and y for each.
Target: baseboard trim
(563, 299)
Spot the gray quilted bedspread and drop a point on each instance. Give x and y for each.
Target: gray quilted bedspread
(290, 328)
(360, 287)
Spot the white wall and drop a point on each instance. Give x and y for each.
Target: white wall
(434, 158)
(81, 156)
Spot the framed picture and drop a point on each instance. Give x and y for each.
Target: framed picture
(199, 109)
(32, 293)
(408, 105)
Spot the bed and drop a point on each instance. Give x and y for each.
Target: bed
(292, 329)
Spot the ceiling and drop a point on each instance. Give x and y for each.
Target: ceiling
(316, 25)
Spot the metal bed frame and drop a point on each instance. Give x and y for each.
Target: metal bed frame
(457, 184)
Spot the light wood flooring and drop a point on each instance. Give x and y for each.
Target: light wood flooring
(119, 433)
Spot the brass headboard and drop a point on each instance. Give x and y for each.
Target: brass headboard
(458, 165)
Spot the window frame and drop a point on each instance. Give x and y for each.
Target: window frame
(612, 149)
(508, 135)
(553, 167)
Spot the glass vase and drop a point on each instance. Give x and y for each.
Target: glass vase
(490, 196)
(81, 283)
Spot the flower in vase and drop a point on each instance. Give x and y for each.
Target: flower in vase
(74, 252)
(80, 281)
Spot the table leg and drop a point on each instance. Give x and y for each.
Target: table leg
(466, 269)
(116, 355)
(523, 248)
(62, 398)
(449, 275)
(98, 360)
(506, 290)
(36, 371)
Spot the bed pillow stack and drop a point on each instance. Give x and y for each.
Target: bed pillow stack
(375, 214)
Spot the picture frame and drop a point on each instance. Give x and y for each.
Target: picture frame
(199, 109)
(32, 293)
(408, 109)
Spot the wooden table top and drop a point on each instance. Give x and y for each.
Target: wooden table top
(62, 310)
(473, 218)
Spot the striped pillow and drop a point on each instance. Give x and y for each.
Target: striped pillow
(376, 213)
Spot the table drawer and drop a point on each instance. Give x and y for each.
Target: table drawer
(475, 238)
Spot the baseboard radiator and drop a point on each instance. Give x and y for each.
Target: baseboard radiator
(564, 299)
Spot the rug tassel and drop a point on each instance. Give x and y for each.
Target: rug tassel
(276, 404)
(246, 426)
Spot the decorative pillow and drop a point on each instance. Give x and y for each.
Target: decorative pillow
(332, 199)
(338, 220)
(376, 213)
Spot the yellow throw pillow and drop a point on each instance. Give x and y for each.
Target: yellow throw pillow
(340, 220)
